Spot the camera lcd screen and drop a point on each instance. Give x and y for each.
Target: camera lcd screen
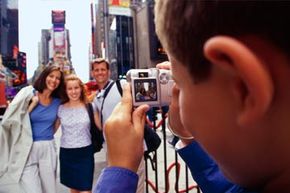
(145, 90)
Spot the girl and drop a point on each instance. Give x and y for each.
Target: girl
(76, 150)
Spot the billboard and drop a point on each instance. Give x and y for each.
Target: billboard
(59, 41)
(58, 16)
(121, 3)
(120, 7)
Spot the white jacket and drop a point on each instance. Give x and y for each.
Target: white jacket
(15, 138)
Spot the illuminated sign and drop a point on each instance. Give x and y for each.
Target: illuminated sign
(58, 16)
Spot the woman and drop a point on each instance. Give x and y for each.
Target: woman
(27, 136)
(76, 150)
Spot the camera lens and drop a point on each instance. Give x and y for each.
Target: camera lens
(164, 78)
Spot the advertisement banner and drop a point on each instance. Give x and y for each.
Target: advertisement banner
(120, 7)
(120, 3)
(59, 41)
(3, 102)
(58, 16)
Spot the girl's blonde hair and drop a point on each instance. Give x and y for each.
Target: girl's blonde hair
(73, 77)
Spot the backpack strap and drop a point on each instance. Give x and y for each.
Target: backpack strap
(107, 90)
(90, 111)
(104, 97)
(119, 87)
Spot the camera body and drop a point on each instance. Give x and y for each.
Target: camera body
(150, 86)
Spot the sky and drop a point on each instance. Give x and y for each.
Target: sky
(35, 15)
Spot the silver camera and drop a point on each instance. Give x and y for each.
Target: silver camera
(150, 86)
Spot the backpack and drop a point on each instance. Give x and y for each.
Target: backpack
(96, 134)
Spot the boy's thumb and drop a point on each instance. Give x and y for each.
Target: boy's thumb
(139, 116)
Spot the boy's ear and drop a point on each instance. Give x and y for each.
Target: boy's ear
(256, 91)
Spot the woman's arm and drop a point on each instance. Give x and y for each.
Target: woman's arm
(56, 124)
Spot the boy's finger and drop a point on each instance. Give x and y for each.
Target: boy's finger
(126, 101)
(164, 65)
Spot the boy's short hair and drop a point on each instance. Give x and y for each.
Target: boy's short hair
(183, 36)
(99, 61)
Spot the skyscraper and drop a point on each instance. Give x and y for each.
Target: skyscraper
(55, 44)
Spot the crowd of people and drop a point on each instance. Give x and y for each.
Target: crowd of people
(230, 107)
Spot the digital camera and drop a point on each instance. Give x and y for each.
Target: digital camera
(150, 86)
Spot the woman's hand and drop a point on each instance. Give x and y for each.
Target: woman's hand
(34, 101)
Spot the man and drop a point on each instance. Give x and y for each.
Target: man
(101, 73)
(108, 96)
(230, 62)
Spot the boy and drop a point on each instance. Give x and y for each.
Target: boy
(230, 62)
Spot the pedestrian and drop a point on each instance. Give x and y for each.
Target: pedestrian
(76, 149)
(28, 153)
(108, 96)
(230, 63)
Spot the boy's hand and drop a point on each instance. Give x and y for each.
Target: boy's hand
(173, 114)
(124, 131)
(174, 121)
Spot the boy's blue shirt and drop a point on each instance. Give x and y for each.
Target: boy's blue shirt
(204, 171)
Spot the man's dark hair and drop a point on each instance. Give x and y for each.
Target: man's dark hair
(184, 35)
(99, 61)
(40, 83)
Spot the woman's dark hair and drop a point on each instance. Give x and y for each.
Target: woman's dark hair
(40, 83)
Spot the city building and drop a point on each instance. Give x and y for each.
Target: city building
(113, 34)
(12, 61)
(8, 28)
(4, 27)
(55, 39)
(55, 45)
(123, 31)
